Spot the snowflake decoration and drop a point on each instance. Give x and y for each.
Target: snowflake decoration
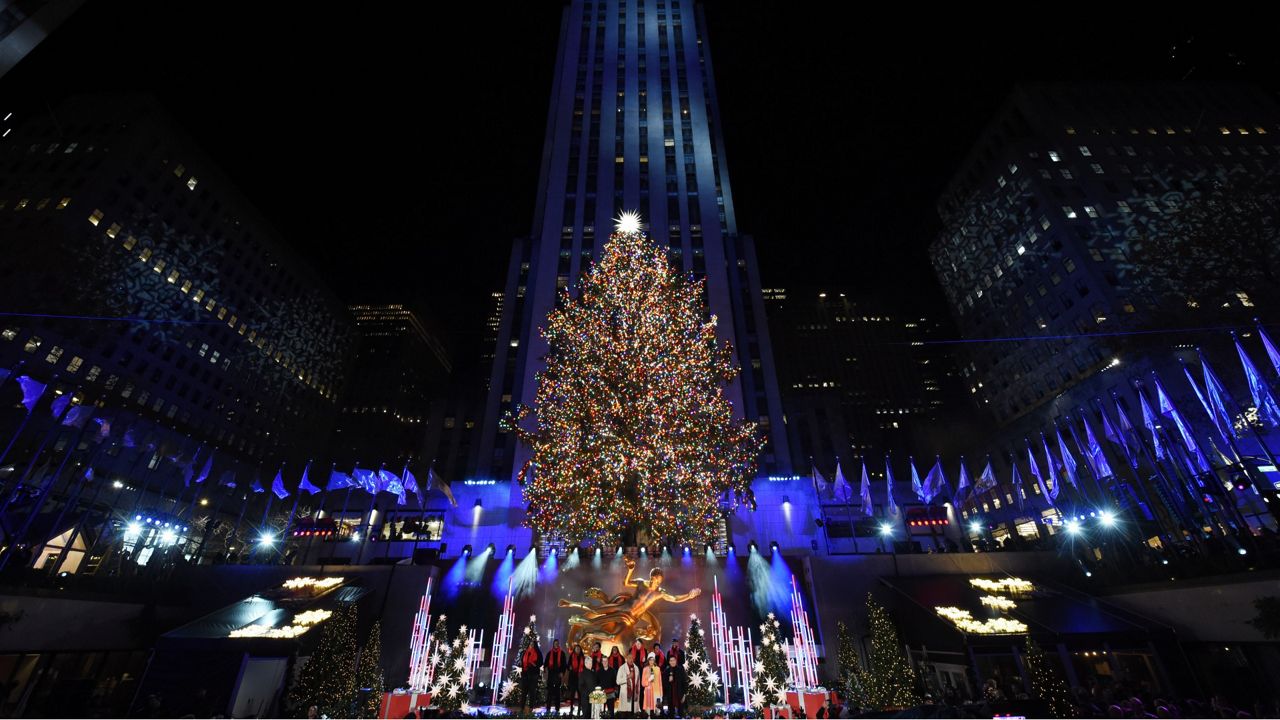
(457, 642)
(711, 678)
(764, 628)
(766, 642)
(757, 700)
(771, 684)
(528, 629)
(435, 689)
(771, 616)
(695, 681)
(533, 619)
(435, 657)
(508, 687)
(460, 663)
(451, 690)
(462, 629)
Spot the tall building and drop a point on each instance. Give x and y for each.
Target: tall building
(400, 368)
(633, 124)
(25, 24)
(1057, 224)
(861, 378)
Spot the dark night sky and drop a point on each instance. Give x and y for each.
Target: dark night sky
(401, 150)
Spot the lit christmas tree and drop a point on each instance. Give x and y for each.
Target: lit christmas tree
(327, 680)
(451, 681)
(369, 674)
(892, 681)
(633, 432)
(769, 681)
(1046, 684)
(512, 691)
(852, 677)
(703, 681)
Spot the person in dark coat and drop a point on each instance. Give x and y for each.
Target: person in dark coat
(557, 663)
(677, 651)
(587, 681)
(674, 682)
(609, 678)
(571, 691)
(530, 666)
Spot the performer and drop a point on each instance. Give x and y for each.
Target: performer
(587, 681)
(597, 656)
(629, 688)
(609, 677)
(571, 691)
(657, 652)
(530, 665)
(674, 682)
(651, 679)
(677, 651)
(557, 663)
(637, 652)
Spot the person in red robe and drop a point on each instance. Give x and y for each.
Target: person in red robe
(612, 663)
(576, 660)
(677, 651)
(557, 663)
(530, 667)
(657, 653)
(637, 652)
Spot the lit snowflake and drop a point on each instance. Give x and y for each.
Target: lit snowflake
(460, 663)
(764, 628)
(771, 684)
(770, 616)
(757, 700)
(452, 690)
(766, 642)
(435, 689)
(711, 678)
(435, 657)
(695, 681)
(462, 629)
(533, 619)
(508, 687)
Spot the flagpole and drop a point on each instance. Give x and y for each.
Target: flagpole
(1262, 444)
(79, 525)
(208, 526)
(366, 524)
(324, 495)
(297, 495)
(417, 534)
(1161, 523)
(26, 474)
(1187, 481)
(244, 505)
(1169, 486)
(22, 424)
(106, 522)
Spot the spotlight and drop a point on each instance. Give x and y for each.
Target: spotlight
(686, 549)
(491, 549)
(886, 529)
(204, 501)
(266, 539)
(975, 527)
(599, 551)
(644, 551)
(786, 502)
(466, 549)
(1242, 551)
(511, 549)
(355, 536)
(1088, 574)
(1073, 527)
(751, 547)
(168, 537)
(733, 550)
(133, 529)
(773, 546)
(1107, 518)
(117, 484)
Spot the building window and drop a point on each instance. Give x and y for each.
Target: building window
(1069, 212)
(54, 354)
(95, 217)
(33, 344)
(1090, 211)
(191, 183)
(1123, 207)
(1053, 155)
(74, 365)
(129, 242)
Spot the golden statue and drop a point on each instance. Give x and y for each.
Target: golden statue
(625, 617)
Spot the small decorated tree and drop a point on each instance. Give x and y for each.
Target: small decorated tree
(369, 674)
(512, 689)
(769, 681)
(703, 681)
(892, 679)
(449, 682)
(327, 680)
(852, 678)
(1046, 684)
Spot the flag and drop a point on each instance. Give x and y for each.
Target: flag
(987, 480)
(842, 483)
(962, 484)
(1068, 460)
(339, 480)
(865, 492)
(1216, 395)
(1018, 491)
(130, 440)
(256, 485)
(390, 482)
(1167, 408)
(1272, 354)
(305, 485)
(59, 405)
(4, 374)
(277, 485)
(77, 416)
(1097, 458)
(1051, 469)
(818, 480)
(104, 428)
(891, 505)
(1115, 435)
(1149, 419)
(916, 486)
(188, 472)
(439, 483)
(366, 480)
(1268, 411)
(1035, 472)
(933, 482)
(204, 471)
(227, 478)
(411, 484)
(32, 390)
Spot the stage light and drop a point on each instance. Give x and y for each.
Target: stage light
(975, 528)
(773, 546)
(1073, 527)
(266, 539)
(168, 537)
(466, 549)
(117, 484)
(491, 549)
(599, 551)
(132, 530)
(733, 550)
(1088, 574)
(686, 549)
(644, 551)
(511, 549)
(751, 547)
(355, 536)
(886, 529)
(1242, 551)
(1107, 518)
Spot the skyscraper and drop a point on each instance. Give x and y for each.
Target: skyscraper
(633, 124)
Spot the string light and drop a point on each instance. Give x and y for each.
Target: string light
(963, 620)
(1004, 585)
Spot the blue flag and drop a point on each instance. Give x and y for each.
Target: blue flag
(59, 405)
(934, 482)
(891, 505)
(1268, 411)
(1272, 354)
(256, 486)
(227, 478)
(1097, 458)
(1018, 491)
(1149, 419)
(366, 480)
(1118, 436)
(864, 492)
(1068, 460)
(962, 484)
(411, 484)
(916, 486)
(339, 480)
(77, 416)
(1035, 472)
(1051, 470)
(305, 485)
(1167, 408)
(32, 390)
(841, 483)
(987, 480)
(1217, 396)
(390, 482)
(204, 471)
(277, 485)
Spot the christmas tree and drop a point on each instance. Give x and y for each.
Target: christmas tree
(512, 690)
(769, 679)
(633, 431)
(852, 678)
(438, 648)
(369, 674)
(1046, 684)
(703, 681)
(892, 681)
(326, 680)
(451, 682)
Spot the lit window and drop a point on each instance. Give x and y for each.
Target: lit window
(186, 286)
(617, 159)
(1090, 211)
(74, 365)
(209, 306)
(63, 203)
(160, 265)
(191, 183)
(1053, 155)
(173, 276)
(94, 218)
(179, 170)
(93, 373)
(113, 231)
(1123, 207)
(129, 242)
(54, 354)
(33, 344)
(9, 334)
(1085, 151)
(222, 312)
(1097, 169)
(44, 202)
(145, 255)
(1244, 299)
(23, 203)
